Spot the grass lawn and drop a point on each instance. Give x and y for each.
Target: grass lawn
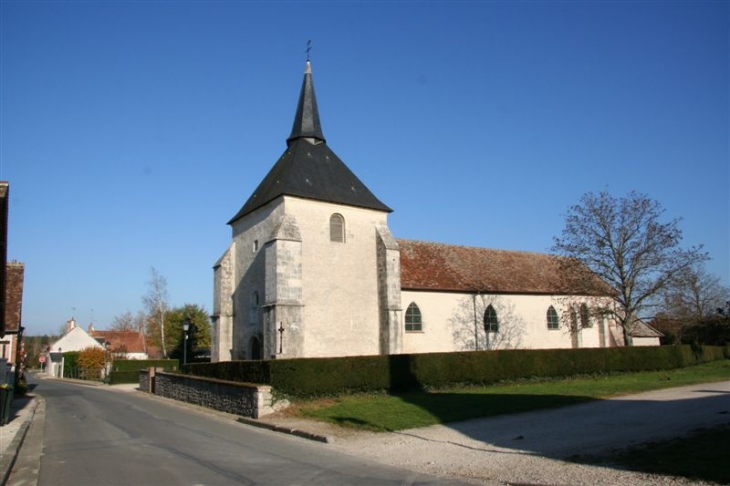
(382, 412)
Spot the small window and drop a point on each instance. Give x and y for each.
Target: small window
(255, 246)
(491, 323)
(552, 318)
(337, 228)
(413, 318)
(585, 317)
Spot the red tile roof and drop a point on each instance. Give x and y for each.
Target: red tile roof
(438, 266)
(121, 341)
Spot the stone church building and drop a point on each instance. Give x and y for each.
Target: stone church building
(314, 271)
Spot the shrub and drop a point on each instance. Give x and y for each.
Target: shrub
(307, 377)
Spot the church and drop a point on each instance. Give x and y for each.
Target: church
(314, 271)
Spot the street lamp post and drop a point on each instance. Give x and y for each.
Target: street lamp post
(186, 327)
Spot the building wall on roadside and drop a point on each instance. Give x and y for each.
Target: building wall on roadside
(75, 340)
(339, 279)
(645, 341)
(454, 321)
(296, 291)
(221, 345)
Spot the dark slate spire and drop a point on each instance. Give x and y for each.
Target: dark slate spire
(306, 121)
(308, 168)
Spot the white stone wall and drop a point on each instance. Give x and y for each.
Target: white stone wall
(222, 324)
(336, 290)
(449, 323)
(645, 341)
(339, 280)
(389, 298)
(250, 235)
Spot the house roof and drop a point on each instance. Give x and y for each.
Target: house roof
(641, 329)
(126, 341)
(438, 266)
(75, 339)
(309, 168)
(14, 277)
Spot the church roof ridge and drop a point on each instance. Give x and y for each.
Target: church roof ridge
(478, 248)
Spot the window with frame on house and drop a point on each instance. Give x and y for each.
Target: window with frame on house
(553, 322)
(491, 322)
(413, 318)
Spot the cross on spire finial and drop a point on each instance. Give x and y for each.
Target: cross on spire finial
(309, 48)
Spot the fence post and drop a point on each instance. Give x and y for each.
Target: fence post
(151, 381)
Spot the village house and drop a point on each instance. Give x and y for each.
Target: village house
(11, 339)
(314, 271)
(119, 345)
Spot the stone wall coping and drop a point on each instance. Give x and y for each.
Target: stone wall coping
(256, 386)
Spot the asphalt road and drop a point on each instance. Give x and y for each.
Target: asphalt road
(87, 435)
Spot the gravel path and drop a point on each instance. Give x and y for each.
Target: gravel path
(535, 447)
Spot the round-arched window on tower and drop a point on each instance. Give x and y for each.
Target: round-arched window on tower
(337, 228)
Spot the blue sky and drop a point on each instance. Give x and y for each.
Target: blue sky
(131, 132)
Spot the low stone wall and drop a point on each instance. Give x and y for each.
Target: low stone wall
(245, 399)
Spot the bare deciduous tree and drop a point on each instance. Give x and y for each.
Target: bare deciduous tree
(155, 301)
(623, 241)
(693, 295)
(129, 322)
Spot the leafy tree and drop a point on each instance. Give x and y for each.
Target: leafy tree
(198, 333)
(155, 301)
(91, 362)
(35, 346)
(623, 241)
(129, 322)
(712, 330)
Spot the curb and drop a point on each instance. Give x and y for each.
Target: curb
(7, 461)
(287, 430)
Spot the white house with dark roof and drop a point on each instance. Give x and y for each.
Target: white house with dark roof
(313, 271)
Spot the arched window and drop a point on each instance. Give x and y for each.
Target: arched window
(491, 323)
(337, 228)
(413, 318)
(585, 317)
(552, 318)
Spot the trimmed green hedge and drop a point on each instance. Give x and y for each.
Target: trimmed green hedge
(329, 376)
(119, 377)
(70, 360)
(143, 364)
(127, 370)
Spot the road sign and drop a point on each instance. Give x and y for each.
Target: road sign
(41, 359)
